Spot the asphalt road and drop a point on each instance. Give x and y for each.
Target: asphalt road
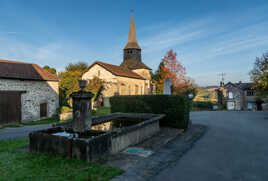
(22, 132)
(234, 148)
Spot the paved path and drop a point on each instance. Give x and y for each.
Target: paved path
(22, 132)
(234, 148)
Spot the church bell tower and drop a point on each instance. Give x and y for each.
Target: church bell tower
(132, 50)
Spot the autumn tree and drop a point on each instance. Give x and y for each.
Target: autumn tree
(50, 69)
(259, 74)
(171, 68)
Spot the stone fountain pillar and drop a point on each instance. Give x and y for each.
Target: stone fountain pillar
(81, 100)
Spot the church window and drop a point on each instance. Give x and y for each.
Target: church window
(98, 73)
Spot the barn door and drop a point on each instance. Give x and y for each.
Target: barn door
(10, 107)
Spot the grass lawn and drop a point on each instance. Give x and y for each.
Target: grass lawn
(18, 165)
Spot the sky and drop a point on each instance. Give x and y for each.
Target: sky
(209, 36)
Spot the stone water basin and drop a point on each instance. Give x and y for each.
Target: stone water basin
(108, 134)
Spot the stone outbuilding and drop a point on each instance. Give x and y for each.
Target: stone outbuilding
(132, 77)
(27, 92)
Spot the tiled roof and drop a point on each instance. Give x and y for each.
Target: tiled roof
(24, 71)
(117, 70)
(133, 64)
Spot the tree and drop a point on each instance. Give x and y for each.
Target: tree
(172, 68)
(69, 82)
(259, 74)
(50, 69)
(80, 67)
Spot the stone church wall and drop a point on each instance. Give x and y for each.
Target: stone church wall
(37, 92)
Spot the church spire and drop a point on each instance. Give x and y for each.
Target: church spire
(132, 40)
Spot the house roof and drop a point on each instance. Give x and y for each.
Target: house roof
(24, 71)
(242, 86)
(117, 70)
(134, 64)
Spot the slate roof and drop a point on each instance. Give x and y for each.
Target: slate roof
(117, 70)
(243, 86)
(134, 64)
(24, 71)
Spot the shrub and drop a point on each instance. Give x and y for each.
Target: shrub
(65, 109)
(202, 105)
(175, 107)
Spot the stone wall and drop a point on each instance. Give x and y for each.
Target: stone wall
(37, 92)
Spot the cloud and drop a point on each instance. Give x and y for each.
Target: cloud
(174, 34)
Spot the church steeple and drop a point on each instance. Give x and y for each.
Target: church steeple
(132, 50)
(132, 40)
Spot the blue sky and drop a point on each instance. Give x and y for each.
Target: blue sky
(210, 36)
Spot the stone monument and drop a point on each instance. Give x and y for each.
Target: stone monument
(167, 86)
(81, 100)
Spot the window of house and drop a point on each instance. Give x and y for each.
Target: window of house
(98, 73)
(250, 93)
(230, 95)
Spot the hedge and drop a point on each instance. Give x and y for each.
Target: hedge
(175, 107)
(202, 105)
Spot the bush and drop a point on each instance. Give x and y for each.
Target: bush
(65, 109)
(176, 107)
(202, 105)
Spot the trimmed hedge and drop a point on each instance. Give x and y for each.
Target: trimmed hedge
(176, 107)
(202, 105)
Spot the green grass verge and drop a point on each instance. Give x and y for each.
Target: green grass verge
(18, 165)
(43, 121)
(99, 111)
(102, 111)
(31, 123)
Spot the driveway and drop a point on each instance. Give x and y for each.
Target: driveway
(22, 132)
(234, 148)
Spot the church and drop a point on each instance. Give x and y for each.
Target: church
(132, 77)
